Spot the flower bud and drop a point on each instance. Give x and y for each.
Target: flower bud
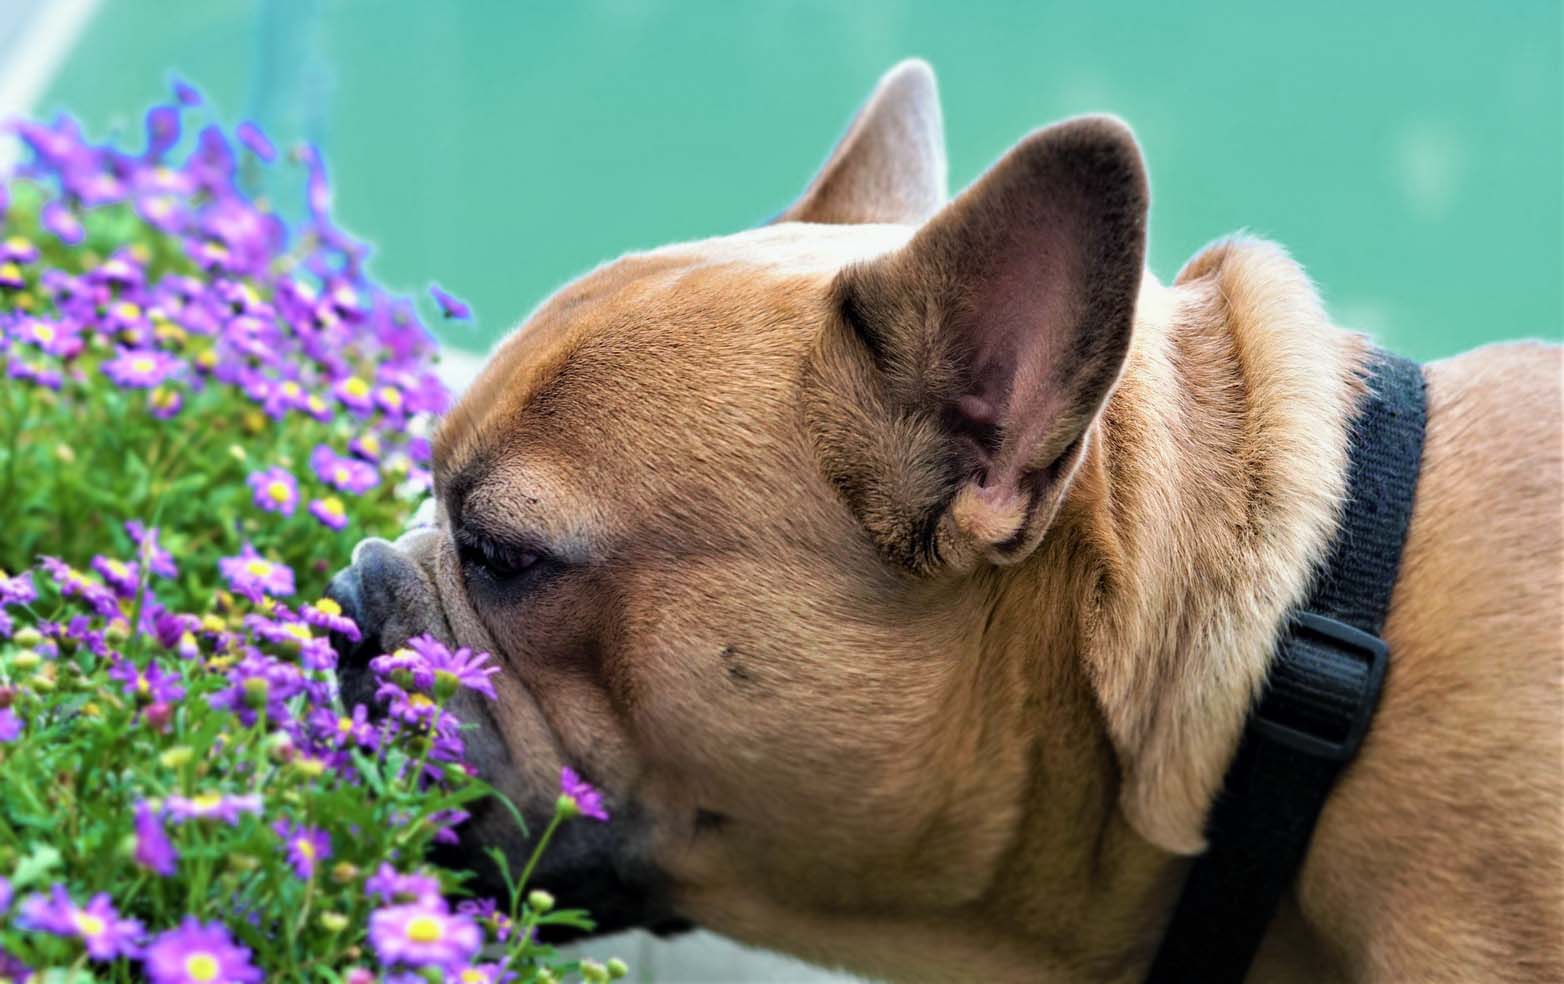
(279, 746)
(308, 766)
(256, 692)
(236, 452)
(244, 862)
(617, 968)
(333, 922)
(539, 901)
(567, 807)
(91, 710)
(26, 659)
(344, 872)
(593, 972)
(157, 715)
(359, 975)
(65, 453)
(117, 630)
(27, 636)
(176, 757)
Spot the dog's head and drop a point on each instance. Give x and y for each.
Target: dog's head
(735, 518)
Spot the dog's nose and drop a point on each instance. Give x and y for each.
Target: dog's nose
(347, 590)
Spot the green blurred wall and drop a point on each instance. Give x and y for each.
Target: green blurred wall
(1410, 155)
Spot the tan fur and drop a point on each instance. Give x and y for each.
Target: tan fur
(999, 772)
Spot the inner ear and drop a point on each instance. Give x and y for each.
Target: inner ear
(971, 363)
(890, 166)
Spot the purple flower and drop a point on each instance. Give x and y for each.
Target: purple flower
(141, 368)
(488, 912)
(199, 953)
(165, 402)
(213, 806)
(162, 131)
(259, 682)
(61, 221)
(355, 394)
(254, 576)
(5, 893)
(423, 935)
(388, 885)
(152, 685)
(158, 560)
(341, 472)
(122, 577)
(576, 796)
(154, 851)
(10, 725)
(96, 924)
(307, 847)
(251, 136)
(17, 589)
(449, 305)
(327, 614)
(275, 490)
(16, 249)
(11, 277)
(58, 338)
(187, 94)
(330, 511)
(443, 671)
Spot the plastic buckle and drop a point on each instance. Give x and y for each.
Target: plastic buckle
(1342, 639)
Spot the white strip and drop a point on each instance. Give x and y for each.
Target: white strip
(35, 59)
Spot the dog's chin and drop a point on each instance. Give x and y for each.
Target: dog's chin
(585, 866)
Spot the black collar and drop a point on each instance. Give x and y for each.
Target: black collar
(1319, 698)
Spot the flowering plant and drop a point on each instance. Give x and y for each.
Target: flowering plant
(203, 410)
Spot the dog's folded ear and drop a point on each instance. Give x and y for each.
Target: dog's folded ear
(890, 165)
(953, 390)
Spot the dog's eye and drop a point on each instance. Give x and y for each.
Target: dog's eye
(500, 562)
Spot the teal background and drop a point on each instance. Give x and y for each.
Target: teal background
(1410, 155)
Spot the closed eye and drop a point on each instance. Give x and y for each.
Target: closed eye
(502, 563)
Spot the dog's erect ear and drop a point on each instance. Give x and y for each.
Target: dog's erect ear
(953, 391)
(890, 167)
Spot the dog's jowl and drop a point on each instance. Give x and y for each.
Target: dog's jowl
(905, 571)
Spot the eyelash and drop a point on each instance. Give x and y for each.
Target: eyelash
(499, 562)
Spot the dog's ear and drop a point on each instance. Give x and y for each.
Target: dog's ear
(890, 166)
(956, 381)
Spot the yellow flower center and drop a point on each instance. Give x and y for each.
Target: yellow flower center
(278, 491)
(355, 387)
(142, 686)
(127, 310)
(207, 801)
(341, 474)
(163, 397)
(201, 967)
(298, 630)
(315, 403)
(117, 568)
(425, 929)
(17, 243)
(44, 333)
(10, 270)
(292, 389)
(419, 700)
(370, 443)
(344, 725)
(142, 363)
(327, 606)
(305, 847)
(207, 359)
(391, 396)
(470, 976)
(88, 924)
(334, 506)
(258, 568)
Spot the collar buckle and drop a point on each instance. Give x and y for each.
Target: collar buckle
(1324, 688)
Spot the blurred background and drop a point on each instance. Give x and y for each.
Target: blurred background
(1411, 156)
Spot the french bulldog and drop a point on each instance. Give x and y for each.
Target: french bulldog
(904, 570)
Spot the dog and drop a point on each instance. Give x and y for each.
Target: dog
(903, 570)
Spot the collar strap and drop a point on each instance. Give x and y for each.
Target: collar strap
(1319, 698)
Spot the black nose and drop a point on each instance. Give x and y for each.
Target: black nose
(353, 655)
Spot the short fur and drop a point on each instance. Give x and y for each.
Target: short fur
(909, 583)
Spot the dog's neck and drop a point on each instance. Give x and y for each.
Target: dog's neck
(1209, 492)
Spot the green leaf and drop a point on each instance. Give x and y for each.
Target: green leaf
(38, 862)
